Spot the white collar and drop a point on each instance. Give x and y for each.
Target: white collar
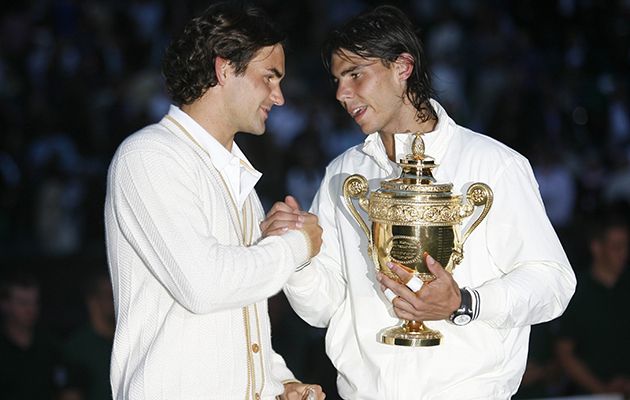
(233, 166)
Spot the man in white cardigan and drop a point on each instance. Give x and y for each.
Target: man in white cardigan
(191, 263)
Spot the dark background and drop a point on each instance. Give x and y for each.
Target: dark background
(548, 78)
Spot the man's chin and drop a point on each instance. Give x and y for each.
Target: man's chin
(366, 129)
(255, 131)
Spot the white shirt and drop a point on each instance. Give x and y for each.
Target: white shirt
(234, 166)
(514, 260)
(190, 297)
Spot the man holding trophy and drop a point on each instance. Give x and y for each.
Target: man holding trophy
(477, 301)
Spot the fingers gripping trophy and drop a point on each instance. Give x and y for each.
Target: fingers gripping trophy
(411, 216)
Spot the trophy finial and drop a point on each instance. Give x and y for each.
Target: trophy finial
(417, 147)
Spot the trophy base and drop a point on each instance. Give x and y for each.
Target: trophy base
(401, 336)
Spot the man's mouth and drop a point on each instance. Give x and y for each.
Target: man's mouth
(265, 111)
(357, 112)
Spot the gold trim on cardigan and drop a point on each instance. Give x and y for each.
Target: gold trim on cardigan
(245, 241)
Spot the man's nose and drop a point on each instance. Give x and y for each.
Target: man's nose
(343, 92)
(277, 97)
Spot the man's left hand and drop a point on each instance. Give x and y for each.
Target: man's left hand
(436, 300)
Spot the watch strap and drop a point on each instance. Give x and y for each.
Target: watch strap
(469, 306)
(475, 302)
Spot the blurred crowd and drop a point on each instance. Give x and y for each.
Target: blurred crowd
(548, 78)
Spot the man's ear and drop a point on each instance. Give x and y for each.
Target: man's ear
(404, 65)
(221, 67)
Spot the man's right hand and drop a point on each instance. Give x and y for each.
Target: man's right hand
(285, 215)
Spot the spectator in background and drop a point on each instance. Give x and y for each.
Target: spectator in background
(29, 357)
(88, 350)
(592, 347)
(58, 211)
(56, 166)
(543, 376)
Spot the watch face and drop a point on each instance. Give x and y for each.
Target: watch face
(462, 319)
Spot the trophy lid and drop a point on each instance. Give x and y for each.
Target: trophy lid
(417, 175)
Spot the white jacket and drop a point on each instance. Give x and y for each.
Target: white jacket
(514, 260)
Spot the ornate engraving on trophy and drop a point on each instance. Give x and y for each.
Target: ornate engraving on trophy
(389, 210)
(404, 249)
(444, 237)
(413, 215)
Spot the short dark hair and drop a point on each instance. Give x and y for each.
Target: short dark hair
(385, 32)
(603, 220)
(232, 31)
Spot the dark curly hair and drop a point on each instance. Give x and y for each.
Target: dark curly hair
(232, 31)
(385, 32)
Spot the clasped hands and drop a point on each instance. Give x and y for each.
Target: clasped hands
(302, 391)
(436, 299)
(286, 215)
(282, 217)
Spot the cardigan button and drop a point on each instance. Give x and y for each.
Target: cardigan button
(257, 396)
(255, 348)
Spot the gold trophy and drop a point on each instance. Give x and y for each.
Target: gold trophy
(413, 215)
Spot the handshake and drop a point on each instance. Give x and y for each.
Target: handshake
(287, 215)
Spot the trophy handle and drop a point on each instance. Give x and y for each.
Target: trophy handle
(356, 187)
(478, 194)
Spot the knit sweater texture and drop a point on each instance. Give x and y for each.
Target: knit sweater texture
(190, 295)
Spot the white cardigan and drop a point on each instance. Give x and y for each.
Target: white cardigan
(191, 300)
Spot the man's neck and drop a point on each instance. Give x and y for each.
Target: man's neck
(102, 325)
(21, 336)
(604, 276)
(212, 119)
